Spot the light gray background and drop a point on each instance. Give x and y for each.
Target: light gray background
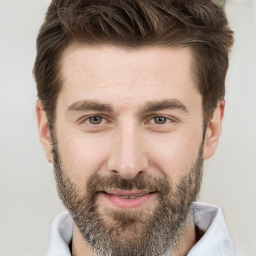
(28, 200)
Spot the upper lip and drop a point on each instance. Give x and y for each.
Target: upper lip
(119, 192)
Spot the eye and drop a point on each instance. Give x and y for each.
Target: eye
(160, 120)
(94, 120)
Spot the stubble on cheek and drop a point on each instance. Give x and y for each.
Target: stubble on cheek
(150, 230)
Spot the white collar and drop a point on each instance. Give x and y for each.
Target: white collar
(61, 235)
(216, 239)
(215, 242)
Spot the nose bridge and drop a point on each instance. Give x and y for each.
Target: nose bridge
(128, 156)
(129, 142)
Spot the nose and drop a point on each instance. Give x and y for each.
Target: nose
(127, 156)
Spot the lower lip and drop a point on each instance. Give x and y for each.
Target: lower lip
(128, 203)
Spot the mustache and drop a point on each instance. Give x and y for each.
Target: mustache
(99, 183)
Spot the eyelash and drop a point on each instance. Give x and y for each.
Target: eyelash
(93, 116)
(167, 120)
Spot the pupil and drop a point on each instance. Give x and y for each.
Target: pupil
(160, 120)
(95, 119)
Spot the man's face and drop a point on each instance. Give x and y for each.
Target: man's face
(128, 112)
(128, 143)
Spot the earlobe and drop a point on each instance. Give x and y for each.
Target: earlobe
(44, 131)
(213, 130)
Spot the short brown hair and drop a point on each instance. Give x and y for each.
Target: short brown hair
(197, 24)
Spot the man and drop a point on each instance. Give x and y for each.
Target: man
(131, 100)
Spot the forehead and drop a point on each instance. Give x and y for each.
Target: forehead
(109, 73)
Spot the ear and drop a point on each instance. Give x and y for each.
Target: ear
(213, 130)
(44, 131)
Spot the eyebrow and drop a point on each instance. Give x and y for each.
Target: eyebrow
(152, 106)
(86, 105)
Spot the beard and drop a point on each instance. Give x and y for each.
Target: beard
(130, 232)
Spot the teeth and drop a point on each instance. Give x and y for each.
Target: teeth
(130, 197)
(126, 197)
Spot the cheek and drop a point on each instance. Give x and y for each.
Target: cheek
(175, 154)
(81, 155)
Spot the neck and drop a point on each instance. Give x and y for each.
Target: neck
(187, 240)
(185, 243)
(79, 245)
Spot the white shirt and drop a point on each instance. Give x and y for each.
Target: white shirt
(216, 240)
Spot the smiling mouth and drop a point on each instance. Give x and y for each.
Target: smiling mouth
(127, 199)
(129, 196)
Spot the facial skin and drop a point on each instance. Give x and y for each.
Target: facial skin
(135, 115)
